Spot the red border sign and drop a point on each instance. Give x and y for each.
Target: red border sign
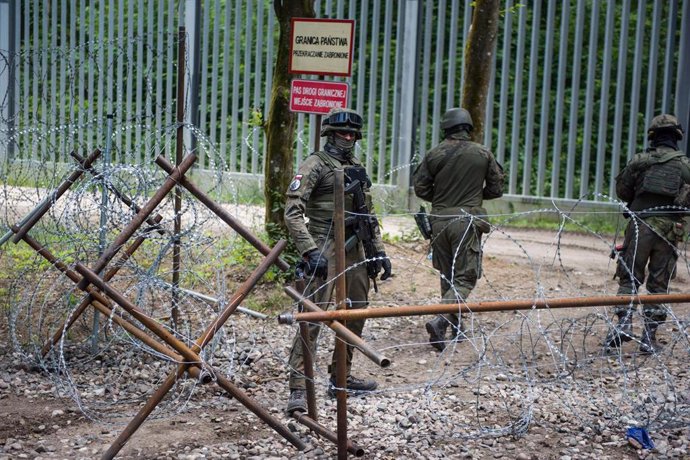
(321, 46)
(317, 96)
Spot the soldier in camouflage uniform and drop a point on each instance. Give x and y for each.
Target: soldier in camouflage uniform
(310, 195)
(456, 176)
(650, 183)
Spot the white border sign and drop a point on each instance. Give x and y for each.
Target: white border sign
(321, 46)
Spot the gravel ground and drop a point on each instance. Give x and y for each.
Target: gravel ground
(521, 385)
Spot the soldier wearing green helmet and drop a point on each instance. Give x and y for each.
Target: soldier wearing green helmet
(650, 184)
(456, 176)
(310, 196)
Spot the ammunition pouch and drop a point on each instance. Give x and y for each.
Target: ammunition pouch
(683, 198)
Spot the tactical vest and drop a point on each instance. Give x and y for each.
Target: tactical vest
(320, 208)
(663, 176)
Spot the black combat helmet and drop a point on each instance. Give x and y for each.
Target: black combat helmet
(665, 122)
(456, 116)
(342, 119)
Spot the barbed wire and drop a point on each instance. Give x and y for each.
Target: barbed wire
(503, 374)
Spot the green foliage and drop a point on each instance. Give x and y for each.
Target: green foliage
(603, 224)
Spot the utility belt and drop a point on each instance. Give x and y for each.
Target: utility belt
(480, 222)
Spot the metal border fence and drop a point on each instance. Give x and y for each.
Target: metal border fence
(574, 83)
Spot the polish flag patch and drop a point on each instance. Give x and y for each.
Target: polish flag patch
(296, 182)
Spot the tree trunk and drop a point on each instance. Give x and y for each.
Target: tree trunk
(479, 56)
(280, 126)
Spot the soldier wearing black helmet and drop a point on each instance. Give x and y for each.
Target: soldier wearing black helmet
(650, 184)
(456, 176)
(310, 195)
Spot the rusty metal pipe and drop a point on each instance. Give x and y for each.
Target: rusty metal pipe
(151, 324)
(194, 371)
(259, 411)
(42, 208)
(307, 359)
(88, 298)
(225, 384)
(321, 430)
(343, 332)
(240, 294)
(170, 182)
(105, 308)
(340, 304)
(480, 307)
(177, 193)
(222, 213)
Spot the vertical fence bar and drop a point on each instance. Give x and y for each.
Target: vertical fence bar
(621, 74)
(235, 86)
(212, 131)
(531, 96)
(636, 80)
(424, 71)
(589, 98)
(383, 129)
(574, 99)
(372, 86)
(560, 100)
(517, 104)
(652, 65)
(505, 78)
(682, 106)
(438, 109)
(224, 92)
(671, 31)
(546, 95)
(604, 102)
(453, 99)
(410, 64)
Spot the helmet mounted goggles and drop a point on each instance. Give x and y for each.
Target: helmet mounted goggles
(343, 119)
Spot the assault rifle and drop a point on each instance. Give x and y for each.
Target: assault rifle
(362, 222)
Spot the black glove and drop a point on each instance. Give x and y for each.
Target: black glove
(316, 264)
(384, 263)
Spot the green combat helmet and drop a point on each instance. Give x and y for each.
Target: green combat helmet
(341, 119)
(665, 122)
(456, 116)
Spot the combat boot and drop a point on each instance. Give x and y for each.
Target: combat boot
(437, 332)
(649, 345)
(297, 402)
(354, 385)
(621, 332)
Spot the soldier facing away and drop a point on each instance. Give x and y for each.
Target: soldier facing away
(653, 185)
(311, 195)
(456, 176)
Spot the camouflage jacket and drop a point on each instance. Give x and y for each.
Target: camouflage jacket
(630, 181)
(458, 174)
(310, 195)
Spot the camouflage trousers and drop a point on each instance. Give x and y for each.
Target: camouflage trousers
(649, 244)
(321, 292)
(457, 255)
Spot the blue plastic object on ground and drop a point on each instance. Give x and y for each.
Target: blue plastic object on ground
(641, 436)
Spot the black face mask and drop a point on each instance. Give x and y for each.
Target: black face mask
(666, 139)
